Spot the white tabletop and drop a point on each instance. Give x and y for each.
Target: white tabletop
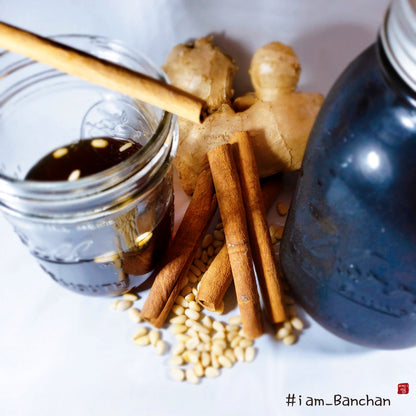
(66, 354)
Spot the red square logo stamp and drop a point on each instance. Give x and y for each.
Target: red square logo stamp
(403, 388)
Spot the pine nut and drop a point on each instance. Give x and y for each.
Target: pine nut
(177, 374)
(221, 343)
(178, 349)
(207, 321)
(199, 369)
(249, 354)
(192, 278)
(232, 328)
(114, 303)
(154, 336)
(130, 296)
(204, 257)
(201, 266)
(99, 143)
(140, 331)
(224, 361)
(192, 332)
(216, 349)
(184, 282)
(200, 328)
(217, 244)
(125, 146)
(219, 235)
(58, 153)
(180, 300)
(218, 326)
(142, 341)
(239, 353)
(195, 291)
(289, 339)
(186, 291)
(210, 250)
(192, 314)
(178, 309)
(245, 343)
(282, 333)
(232, 335)
(229, 353)
(176, 360)
(198, 253)
(204, 337)
(207, 240)
(205, 359)
(134, 315)
(218, 335)
(193, 356)
(194, 305)
(178, 328)
(214, 361)
(192, 343)
(178, 319)
(189, 322)
(190, 297)
(235, 320)
(297, 323)
(123, 305)
(219, 226)
(191, 376)
(211, 372)
(195, 270)
(236, 341)
(74, 175)
(160, 347)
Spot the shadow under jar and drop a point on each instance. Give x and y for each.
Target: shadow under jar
(86, 173)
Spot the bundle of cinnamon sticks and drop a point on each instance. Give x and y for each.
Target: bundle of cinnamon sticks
(231, 180)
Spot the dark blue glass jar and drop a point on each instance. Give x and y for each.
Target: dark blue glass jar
(349, 247)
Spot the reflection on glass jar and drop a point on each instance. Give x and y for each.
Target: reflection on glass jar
(102, 228)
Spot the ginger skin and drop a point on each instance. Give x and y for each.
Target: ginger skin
(277, 118)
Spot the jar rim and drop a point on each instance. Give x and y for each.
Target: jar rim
(94, 182)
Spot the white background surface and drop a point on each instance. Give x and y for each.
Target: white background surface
(65, 354)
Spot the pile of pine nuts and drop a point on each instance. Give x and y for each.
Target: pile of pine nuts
(204, 345)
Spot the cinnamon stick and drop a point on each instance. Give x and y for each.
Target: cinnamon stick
(102, 72)
(218, 277)
(181, 252)
(261, 245)
(233, 216)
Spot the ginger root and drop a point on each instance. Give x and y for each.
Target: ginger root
(277, 118)
(202, 69)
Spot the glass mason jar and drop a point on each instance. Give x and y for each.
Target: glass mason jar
(102, 234)
(349, 246)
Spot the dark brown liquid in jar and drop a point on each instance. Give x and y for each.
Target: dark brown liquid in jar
(138, 240)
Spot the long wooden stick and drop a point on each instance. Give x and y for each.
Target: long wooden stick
(233, 216)
(101, 72)
(261, 245)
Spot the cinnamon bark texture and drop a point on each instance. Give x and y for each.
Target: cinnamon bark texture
(260, 240)
(181, 252)
(230, 203)
(104, 73)
(217, 279)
